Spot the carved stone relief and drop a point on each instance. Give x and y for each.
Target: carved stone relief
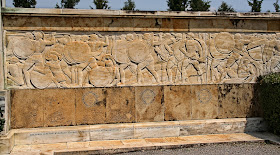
(65, 60)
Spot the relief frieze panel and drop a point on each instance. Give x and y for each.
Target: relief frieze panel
(69, 60)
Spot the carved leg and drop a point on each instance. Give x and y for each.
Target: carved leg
(80, 76)
(73, 75)
(27, 78)
(122, 73)
(151, 68)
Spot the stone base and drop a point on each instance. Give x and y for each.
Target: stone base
(52, 135)
(89, 106)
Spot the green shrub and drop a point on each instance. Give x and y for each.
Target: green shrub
(269, 88)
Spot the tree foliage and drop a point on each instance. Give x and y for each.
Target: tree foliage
(129, 5)
(177, 5)
(199, 5)
(255, 5)
(226, 8)
(25, 3)
(70, 4)
(276, 6)
(100, 4)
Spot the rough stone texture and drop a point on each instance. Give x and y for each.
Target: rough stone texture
(237, 101)
(204, 102)
(59, 107)
(149, 104)
(82, 106)
(27, 107)
(90, 106)
(120, 105)
(7, 143)
(178, 100)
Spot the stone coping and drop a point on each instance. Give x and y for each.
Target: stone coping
(142, 14)
(128, 131)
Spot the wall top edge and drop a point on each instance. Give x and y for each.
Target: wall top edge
(122, 13)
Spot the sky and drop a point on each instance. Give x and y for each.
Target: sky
(155, 5)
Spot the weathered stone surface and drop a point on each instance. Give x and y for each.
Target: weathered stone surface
(51, 136)
(237, 101)
(228, 102)
(38, 108)
(204, 101)
(7, 143)
(118, 24)
(156, 130)
(147, 24)
(177, 101)
(27, 109)
(90, 106)
(111, 132)
(149, 104)
(83, 106)
(120, 105)
(50, 60)
(59, 107)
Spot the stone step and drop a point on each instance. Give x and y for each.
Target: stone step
(68, 134)
(137, 130)
(129, 145)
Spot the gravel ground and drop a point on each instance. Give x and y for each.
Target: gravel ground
(218, 149)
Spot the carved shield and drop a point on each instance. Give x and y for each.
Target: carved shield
(138, 51)
(23, 48)
(101, 76)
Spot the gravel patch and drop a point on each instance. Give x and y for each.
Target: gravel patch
(218, 149)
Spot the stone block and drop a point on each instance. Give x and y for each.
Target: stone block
(273, 26)
(237, 101)
(118, 24)
(88, 24)
(167, 24)
(204, 101)
(50, 136)
(111, 132)
(90, 106)
(156, 130)
(56, 24)
(147, 24)
(120, 105)
(180, 24)
(177, 101)
(228, 102)
(27, 108)
(21, 23)
(149, 104)
(59, 107)
(7, 143)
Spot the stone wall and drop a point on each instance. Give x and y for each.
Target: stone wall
(123, 66)
(83, 106)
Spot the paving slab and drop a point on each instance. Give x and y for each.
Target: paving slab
(120, 146)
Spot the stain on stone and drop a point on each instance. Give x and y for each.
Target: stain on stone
(157, 23)
(112, 21)
(235, 22)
